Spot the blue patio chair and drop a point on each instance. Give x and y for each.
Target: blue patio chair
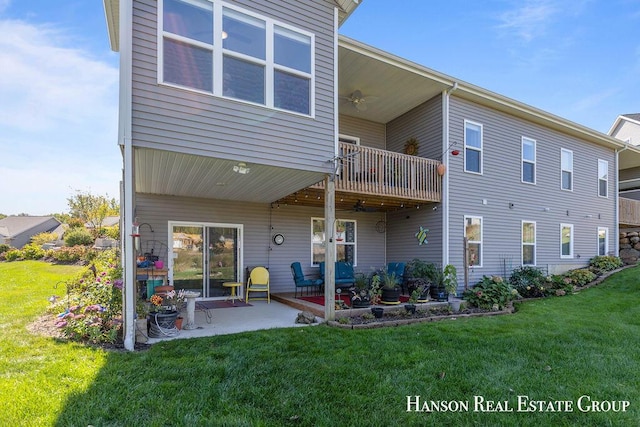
(301, 282)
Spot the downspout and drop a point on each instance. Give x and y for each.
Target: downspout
(617, 203)
(445, 178)
(124, 135)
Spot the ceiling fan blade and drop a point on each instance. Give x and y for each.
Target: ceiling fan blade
(361, 105)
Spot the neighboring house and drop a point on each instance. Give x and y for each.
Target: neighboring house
(108, 221)
(17, 231)
(244, 120)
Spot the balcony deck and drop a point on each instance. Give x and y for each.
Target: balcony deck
(373, 179)
(629, 212)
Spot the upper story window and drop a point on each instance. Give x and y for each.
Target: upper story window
(213, 47)
(345, 236)
(603, 178)
(472, 147)
(566, 166)
(528, 160)
(473, 233)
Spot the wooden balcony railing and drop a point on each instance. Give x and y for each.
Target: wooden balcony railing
(629, 211)
(385, 177)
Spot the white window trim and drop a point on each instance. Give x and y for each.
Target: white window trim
(219, 53)
(606, 240)
(534, 244)
(564, 150)
(324, 242)
(523, 160)
(606, 163)
(570, 256)
(464, 233)
(481, 149)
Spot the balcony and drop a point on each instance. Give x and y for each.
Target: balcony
(370, 179)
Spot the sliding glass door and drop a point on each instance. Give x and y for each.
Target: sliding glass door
(204, 256)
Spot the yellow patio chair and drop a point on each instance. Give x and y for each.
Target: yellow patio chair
(258, 282)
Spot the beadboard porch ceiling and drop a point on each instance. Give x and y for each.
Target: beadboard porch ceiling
(178, 174)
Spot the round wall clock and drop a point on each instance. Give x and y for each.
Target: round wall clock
(278, 239)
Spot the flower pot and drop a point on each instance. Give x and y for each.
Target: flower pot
(162, 323)
(360, 303)
(378, 312)
(411, 308)
(391, 296)
(441, 169)
(179, 320)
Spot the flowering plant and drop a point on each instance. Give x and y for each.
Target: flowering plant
(171, 301)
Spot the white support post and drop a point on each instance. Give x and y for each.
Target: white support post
(330, 249)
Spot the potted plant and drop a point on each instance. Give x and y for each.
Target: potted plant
(390, 287)
(360, 294)
(450, 281)
(419, 273)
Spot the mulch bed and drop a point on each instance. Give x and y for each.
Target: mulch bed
(401, 317)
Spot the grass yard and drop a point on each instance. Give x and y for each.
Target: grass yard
(555, 349)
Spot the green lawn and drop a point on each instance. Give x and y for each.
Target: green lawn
(556, 349)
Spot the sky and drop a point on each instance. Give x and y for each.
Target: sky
(578, 59)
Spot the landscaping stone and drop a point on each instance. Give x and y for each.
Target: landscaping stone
(306, 318)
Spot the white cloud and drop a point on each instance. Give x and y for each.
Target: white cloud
(58, 117)
(529, 20)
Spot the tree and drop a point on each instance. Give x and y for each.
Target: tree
(92, 210)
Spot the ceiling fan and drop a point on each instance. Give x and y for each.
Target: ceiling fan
(359, 101)
(359, 207)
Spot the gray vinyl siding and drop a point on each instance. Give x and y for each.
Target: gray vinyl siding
(179, 120)
(423, 123)
(371, 134)
(402, 243)
(260, 222)
(500, 184)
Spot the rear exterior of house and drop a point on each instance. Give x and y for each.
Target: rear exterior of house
(240, 121)
(17, 231)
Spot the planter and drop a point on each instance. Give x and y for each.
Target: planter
(390, 296)
(455, 305)
(360, 303)
(141, 331)
(411, 308)
(439, 293)
(378, 312)
(162, 323)
(179, 320)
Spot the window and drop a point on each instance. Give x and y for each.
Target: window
(566, 240)
(248, 57)
(528, 160)
(566, 165)
(528, 243)
(345, 235)
(472, 147)
(473, 233)
(603, 241)
(603, 177)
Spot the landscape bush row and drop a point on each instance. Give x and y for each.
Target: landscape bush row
(78, 247)
(494, 292)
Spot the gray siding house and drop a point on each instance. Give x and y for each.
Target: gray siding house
(17, 231)
(241, 121)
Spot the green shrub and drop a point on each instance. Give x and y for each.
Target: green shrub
(603, 263)
(528, 281)
(77, 237)
(112, 232)
(13, 254)
(32, 251)
(69, 254)
(491, 293)
(42, 238)
(4, 248)
(581, 276)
